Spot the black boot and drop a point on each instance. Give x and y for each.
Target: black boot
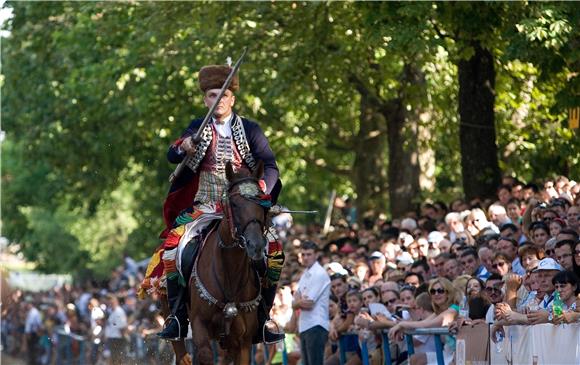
(264, 333)
(176, 324)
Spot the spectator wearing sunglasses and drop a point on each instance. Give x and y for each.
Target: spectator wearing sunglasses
(390, 298)
(495, 295)
(509, 247)
(501, 264)
(445, 300)
(566, 284)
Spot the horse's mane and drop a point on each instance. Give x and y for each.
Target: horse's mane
(241, 173)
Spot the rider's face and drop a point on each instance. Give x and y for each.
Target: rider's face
(226, 104)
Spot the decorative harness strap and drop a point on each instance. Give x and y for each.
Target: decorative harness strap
(206, 295)
(239, 137)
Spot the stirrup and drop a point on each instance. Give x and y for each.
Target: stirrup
(165, 324)
(278, 332)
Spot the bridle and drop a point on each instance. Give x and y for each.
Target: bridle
(236, 233)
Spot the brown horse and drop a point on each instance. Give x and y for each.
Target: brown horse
(224, 287)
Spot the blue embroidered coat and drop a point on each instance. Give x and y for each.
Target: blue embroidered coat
(184, 187)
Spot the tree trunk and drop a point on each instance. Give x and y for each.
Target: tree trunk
(403, 160)
(369, 173)
(479, 160)
(402, 126)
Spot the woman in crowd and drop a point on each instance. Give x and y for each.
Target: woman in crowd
(556, 225)
(530, 255)
(501, 264)
(407, 298)
(540, 234)
(566, 284)
(445, 301)
(514, 211)
(473, 288)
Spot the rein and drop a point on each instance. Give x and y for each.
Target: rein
(238, 241)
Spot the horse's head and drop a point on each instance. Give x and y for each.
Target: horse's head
(246, 209)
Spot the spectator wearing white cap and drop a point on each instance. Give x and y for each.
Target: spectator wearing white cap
(404, 261)
(547, 269)
(377, 265)
(409, 224)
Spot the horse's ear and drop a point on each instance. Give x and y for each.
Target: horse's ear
(229, 171)
(259, 171)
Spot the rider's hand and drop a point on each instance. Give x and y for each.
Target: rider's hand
(188, 146)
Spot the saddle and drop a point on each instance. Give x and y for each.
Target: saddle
(191, 250)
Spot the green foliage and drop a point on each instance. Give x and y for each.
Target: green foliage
(94, 92)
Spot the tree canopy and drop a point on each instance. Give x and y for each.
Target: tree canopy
(361, 97)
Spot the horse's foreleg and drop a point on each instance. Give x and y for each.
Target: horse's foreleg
(201, 341)
(180, 352)
(244, 354)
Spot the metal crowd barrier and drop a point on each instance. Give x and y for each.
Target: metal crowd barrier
(349, 342)
(70, 348)
(437, 332)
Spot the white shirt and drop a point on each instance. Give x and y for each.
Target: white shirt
(116, 323)
(490, 315)
(33, 321)
(315, 284)
(224, 129)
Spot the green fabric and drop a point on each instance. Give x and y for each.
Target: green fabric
(183, 219)
(449, 340)
(177, 276)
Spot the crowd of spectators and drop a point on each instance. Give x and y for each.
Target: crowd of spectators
(511, 260)
(100, 324)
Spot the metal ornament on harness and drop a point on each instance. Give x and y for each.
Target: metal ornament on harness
(230, 310)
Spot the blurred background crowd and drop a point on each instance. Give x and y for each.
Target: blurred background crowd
(514, 260)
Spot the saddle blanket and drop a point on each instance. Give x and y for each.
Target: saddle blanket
(193, 229)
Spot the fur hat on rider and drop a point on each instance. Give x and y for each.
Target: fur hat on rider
(214, 76)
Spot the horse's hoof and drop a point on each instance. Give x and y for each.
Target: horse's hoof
(186, 360)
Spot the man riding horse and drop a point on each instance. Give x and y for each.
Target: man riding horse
(194, 197)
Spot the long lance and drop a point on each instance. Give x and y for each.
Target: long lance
(276, 209)
(197, 137)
